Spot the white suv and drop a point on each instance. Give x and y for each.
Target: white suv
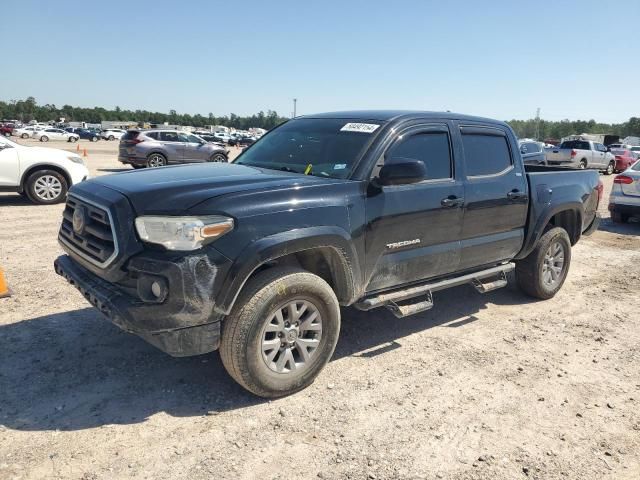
(42, 174)
(112, 134)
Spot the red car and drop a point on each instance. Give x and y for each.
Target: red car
(6, 130)
(624, 159)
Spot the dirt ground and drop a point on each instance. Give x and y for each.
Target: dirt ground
(483, 386)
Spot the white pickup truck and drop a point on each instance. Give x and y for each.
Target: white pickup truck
(582, 154)
(42, 174)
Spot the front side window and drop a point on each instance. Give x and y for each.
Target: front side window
(430, 148)
(485, 154)
(185, 137)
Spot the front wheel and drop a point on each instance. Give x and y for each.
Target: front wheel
(24, 135)
(609, 169)
(542, 273)
(94, 139)
(46, 187)
(111, 137)
(218, 158)
(281, 332)
(72, 139)
(44, 138)
(7, 134)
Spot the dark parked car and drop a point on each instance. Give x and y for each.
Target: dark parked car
(210, 137)
(156, 148)
(369, 209)
(241, 141)
(84, 133)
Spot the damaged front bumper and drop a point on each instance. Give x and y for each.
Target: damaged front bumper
(168, 302)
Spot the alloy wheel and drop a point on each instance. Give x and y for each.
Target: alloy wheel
(291, 336)
(553, 264)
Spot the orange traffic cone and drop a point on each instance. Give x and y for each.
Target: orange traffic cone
(78, 147)
(84, 154)
(4, 288)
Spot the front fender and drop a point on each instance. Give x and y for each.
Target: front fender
(278, 245)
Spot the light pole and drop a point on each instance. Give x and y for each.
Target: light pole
(295, 100)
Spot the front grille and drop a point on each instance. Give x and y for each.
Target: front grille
(96, 241)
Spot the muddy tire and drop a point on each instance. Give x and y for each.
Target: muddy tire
(281, 332)
(542, 273)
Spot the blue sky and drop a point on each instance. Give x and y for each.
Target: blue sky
(502, 59)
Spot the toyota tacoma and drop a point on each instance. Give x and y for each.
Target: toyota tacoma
(366, 209)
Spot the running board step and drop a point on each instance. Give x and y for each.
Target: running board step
(393, 300)
(484, 287)
(401, 311)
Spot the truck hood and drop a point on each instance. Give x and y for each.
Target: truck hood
(175, 189)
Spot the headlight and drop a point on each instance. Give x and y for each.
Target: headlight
(182, 233)
(76, 159)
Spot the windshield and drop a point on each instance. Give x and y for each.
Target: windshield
(323, 147)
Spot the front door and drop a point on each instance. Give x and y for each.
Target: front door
(9, 166)
(194, 149)
(413, 231)
(496, 197)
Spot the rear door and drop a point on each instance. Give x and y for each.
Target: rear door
(413, 231)
(173, 147)
(496, 197)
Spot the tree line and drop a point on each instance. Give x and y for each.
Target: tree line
(27, 110)
(556, 130)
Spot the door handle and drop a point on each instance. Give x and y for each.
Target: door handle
(516, 195)
(451, 201)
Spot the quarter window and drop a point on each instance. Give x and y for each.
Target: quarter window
(430, 148)
(485, 154)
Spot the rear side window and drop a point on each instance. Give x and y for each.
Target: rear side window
(530, 147)
(430, 148)
(485, 154)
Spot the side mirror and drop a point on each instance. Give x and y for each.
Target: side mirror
(401, 171)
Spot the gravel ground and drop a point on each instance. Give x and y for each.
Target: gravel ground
(483, 386)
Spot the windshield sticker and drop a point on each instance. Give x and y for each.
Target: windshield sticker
(340, 166)
(360, 127)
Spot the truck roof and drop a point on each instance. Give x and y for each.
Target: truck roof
(392, 115)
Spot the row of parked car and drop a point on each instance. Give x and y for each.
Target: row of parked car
(581, 154)
(46, 133)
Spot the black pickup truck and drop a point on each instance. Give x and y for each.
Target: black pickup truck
(365, 209)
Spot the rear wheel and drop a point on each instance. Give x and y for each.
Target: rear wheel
(156, 160)
(111, 137)
(73, 139)
(94, 139)
(7, 134)
(24, 135)
(281, 332)
(610, 168)
(583, 164)
(44, 138)
(46, 187)
(542, 273)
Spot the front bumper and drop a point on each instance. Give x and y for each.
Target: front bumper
(183, 321)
